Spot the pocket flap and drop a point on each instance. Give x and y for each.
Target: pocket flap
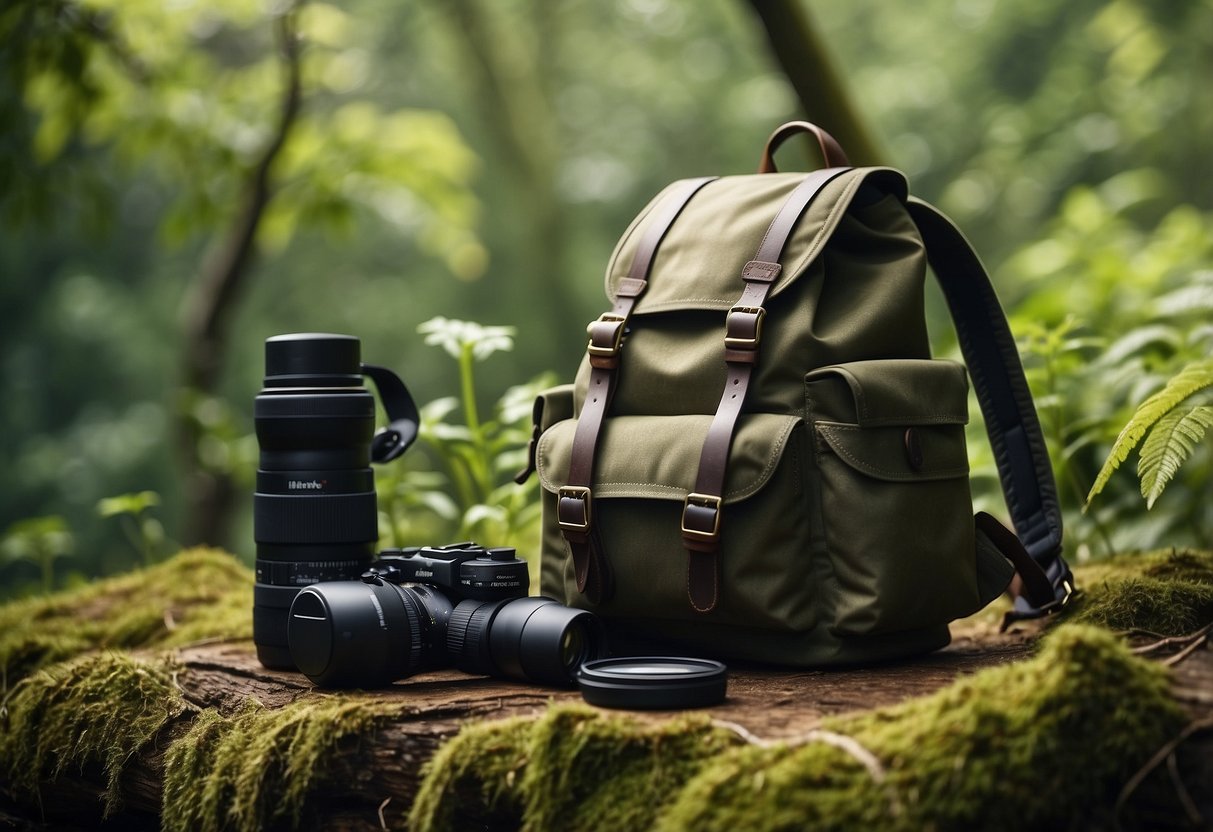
(891, 392)
(657, 457)
(892, 454)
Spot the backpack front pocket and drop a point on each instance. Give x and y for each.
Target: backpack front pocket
(895, 506)
(644, 468)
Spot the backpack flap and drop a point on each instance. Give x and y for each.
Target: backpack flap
(646, 468)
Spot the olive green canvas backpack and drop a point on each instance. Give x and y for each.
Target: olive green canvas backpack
(760, 459)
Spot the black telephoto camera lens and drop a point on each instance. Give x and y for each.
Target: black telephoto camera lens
(314, 510)
(372, 632)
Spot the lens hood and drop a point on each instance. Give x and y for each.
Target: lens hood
(355, 634)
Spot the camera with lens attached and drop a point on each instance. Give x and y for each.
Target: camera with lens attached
(324, 606)
(459, 605)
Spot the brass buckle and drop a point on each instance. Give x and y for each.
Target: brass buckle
(616, 336)
(582, 494)
(703, 501)
(744, 343)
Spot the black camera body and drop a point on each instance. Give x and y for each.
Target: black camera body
(459, 605)
(462, 571)
(315, 523)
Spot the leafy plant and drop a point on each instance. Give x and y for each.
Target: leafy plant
(473, 495)
(40, 541)
(144, 532)
(1172, 422)
(1145, 294)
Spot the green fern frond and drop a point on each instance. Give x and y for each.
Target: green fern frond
(1191, 379)
(1170, 443)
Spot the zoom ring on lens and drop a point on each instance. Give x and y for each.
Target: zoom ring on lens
(467, 636)
(413, 658)
(328, 518)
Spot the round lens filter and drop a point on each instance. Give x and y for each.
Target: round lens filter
(653, 683)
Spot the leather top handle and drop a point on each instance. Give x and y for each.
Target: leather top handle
(831, 150)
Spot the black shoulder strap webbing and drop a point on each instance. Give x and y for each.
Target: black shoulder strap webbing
(1006, 402)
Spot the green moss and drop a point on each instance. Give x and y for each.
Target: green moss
(550, 773)
(257, 767)
(98, 710)
(198, 594)
(1043, 744)
(1008, 748)
(1169, 593)
(474, 781)
(575, 751)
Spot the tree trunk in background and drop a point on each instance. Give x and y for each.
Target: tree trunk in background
(805, 59)
(507, 82)
(209, 304)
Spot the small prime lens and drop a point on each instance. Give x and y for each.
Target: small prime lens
(314, 511)
(367, 634)
(530, 639)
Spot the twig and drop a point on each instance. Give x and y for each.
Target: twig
(1190, 730)
(840, 741)
(382, 819)
(1196, 644)
(1181, 791)
(1169, 641)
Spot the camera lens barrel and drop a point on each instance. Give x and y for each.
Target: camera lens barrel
(540, 640)
(530, 639)
(314, 510)
(371, 633)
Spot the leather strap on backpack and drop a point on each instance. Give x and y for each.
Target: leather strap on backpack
(989, 350)
(701, 512)
(574, 507)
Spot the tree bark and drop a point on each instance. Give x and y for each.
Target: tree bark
(805, 59)
(507, 82)
(208, 308)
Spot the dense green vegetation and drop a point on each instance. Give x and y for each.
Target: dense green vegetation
(366, 167)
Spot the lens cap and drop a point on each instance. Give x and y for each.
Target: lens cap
(651, 683)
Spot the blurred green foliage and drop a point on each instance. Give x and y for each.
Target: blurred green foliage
(463, 487)
(143, 531)
(40, 542)
(478, 160)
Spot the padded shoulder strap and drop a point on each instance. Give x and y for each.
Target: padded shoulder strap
(1006, 402)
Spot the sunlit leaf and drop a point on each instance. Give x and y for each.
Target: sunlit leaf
(1171, 441)
(1191, 379)
(128, 503)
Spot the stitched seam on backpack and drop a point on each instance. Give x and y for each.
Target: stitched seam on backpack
(657, 485)
(911, 421)
(864, 465)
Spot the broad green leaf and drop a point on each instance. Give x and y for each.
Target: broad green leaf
(127, 503)
(441, 504)
(1136, 340)
(1168, 446)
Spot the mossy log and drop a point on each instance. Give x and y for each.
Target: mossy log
(108, 714)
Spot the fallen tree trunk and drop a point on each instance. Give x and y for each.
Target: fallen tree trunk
(370, 780)
(197, 735)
